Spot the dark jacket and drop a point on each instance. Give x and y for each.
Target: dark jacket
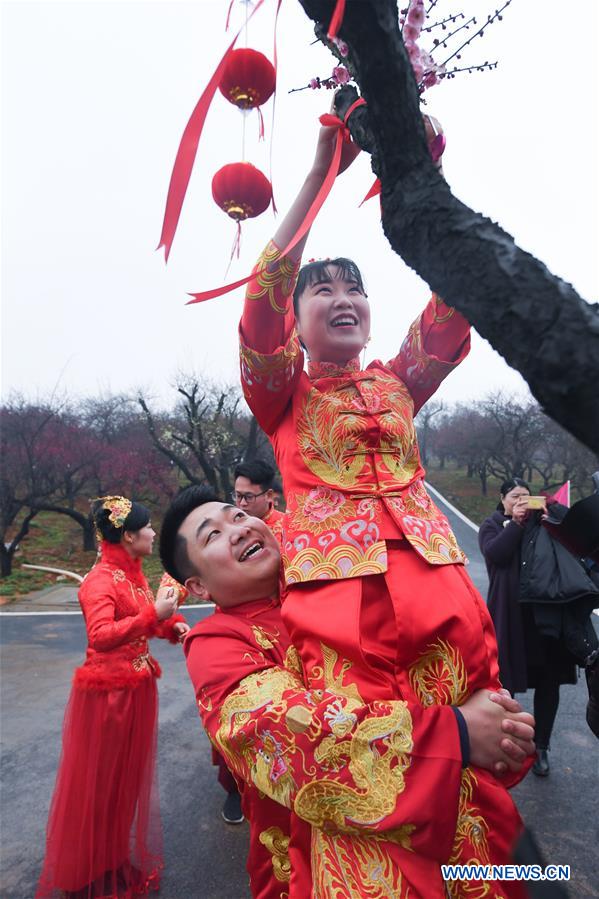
(525, 653)
(561, 587)
(500, 546)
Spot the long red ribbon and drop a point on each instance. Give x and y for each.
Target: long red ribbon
(336, 19)
(342, 135)
(274, 102)
(188, 147)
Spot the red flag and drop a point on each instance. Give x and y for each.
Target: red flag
(562, 494)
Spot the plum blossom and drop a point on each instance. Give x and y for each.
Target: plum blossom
(416, 14)
(340, 75)
(341, 46)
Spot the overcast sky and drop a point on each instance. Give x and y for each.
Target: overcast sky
(95, 96)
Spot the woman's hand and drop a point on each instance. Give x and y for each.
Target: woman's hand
(166, 602)
(520, 512)
(181, 628)
(325, 147)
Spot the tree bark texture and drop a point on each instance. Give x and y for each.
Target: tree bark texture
(536, 321)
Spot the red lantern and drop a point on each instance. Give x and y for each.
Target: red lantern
(241, 190)
(248, 79)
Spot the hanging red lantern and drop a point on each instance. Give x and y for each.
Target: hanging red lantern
(243, 192)
(248, 79)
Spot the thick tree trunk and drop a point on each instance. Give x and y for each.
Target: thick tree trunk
(535, 320)
(8, 550)
(482, 473)
(84, 521)
(6, 557)
(252, 444)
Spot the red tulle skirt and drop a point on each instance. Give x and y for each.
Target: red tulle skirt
(104, 838)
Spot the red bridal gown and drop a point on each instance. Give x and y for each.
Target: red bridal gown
(104, 836)
(377, 600)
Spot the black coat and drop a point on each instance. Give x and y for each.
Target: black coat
(525, 654)
(563, 590)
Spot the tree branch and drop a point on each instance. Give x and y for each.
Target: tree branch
(530, 316)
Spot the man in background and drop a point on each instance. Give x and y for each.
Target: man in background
(254, 493)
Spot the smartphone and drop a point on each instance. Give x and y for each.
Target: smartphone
(535, 502)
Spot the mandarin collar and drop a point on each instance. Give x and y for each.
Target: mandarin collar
(115, 554)
(332, 369)
(252, 608)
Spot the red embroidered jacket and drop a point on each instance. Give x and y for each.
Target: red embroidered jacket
(118, 607)
(344, 439)
(341, 766)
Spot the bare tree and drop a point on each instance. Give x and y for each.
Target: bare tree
(516, 434)
(208, 434)
(423, 424)
(26, 480)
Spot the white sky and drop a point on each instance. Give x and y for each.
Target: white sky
(95, 96)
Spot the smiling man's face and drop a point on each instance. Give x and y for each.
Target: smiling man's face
(235, 557)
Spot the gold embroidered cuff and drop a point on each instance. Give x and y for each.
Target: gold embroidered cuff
(275, 276)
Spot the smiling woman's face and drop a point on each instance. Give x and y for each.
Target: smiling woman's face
(333, 319)
(235, 556)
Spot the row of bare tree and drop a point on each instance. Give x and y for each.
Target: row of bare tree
(503, 437)
(56, 454)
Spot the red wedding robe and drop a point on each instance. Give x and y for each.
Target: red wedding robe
(376, 605)
(104, 836)
(337, 764)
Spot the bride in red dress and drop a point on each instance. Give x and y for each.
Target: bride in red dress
(104, 836)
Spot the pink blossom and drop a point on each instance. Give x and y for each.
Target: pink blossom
(416, 14)
(314, 83)
(410, 33)
(413, 50)
(418, 69)
(341, 75)
(341, 46)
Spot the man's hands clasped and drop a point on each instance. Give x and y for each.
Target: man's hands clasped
(501, 734)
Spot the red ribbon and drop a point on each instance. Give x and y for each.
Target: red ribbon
(436, 148)
(186, 153)
(274, 101)
(373, 192)
(337, 19)
(329, 121)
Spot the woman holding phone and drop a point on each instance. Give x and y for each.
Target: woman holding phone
(527, 658)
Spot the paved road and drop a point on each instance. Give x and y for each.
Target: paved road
(205, 858)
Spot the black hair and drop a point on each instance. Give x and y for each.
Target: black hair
(508, 485)
(138, 518)
(257, 471)
(314, 272)
(173, 547)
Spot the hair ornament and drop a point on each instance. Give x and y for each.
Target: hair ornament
(119, 508)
